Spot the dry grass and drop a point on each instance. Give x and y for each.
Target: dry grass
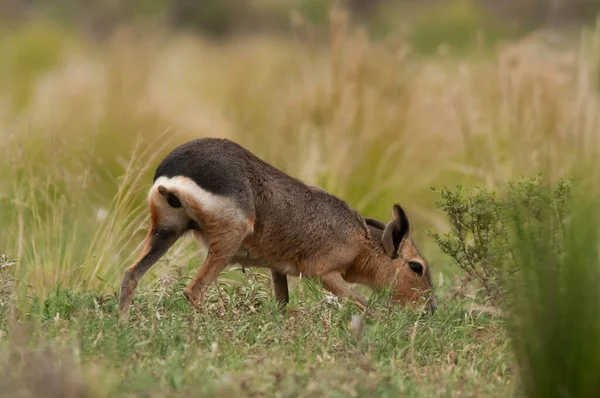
(369, 121)
(83, 124)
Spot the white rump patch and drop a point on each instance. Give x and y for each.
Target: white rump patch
(187, 190)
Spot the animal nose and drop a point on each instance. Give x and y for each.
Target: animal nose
(432, 305)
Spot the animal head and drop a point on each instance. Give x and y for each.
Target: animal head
(403, 269)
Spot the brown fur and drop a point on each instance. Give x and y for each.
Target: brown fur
(245, 211)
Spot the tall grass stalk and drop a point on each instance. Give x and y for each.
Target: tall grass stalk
(112, 241)
(66, 237)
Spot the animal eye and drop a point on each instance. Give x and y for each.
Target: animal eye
(416, 267)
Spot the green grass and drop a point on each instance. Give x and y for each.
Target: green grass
(243, 346)
(83, 125)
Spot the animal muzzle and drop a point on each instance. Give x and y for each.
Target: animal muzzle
(431, 304)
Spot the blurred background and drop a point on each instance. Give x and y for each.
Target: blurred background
(376, 101)
(229, 17)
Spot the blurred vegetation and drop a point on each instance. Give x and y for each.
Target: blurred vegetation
(376, 105)
(554, 301)
(84, 121)
(533, 252)
(431, 22)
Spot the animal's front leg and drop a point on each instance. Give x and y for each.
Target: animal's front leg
(158, 241)
(280, 285)
(335, 283)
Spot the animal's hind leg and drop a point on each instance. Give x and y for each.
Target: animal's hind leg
(280, 285)
(158, 241)
(224, 243)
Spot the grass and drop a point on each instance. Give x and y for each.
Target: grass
(243, 346)
(356, 119)
(375, 122)
(554, 302)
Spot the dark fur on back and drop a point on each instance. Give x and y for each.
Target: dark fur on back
(273, 198)
(212, 163)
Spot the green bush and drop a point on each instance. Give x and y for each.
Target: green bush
(534, 251)
(481, 240)
(554, 301)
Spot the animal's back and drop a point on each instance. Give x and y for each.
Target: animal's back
(212, 163)
(292, 219)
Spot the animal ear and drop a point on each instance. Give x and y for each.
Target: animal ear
(395, 231)
(375, 223)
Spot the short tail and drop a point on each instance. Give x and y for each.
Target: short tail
(172, 199)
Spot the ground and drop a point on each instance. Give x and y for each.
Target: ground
(242, 345)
